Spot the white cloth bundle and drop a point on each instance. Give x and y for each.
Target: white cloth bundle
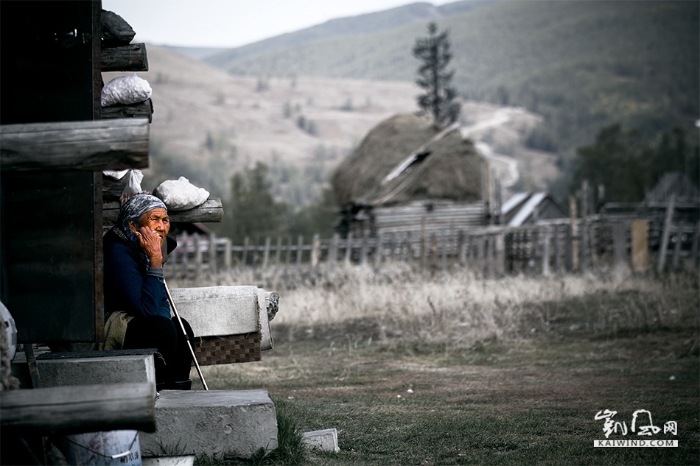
(181, 194)
(126, 90)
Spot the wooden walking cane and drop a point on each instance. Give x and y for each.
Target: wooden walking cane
(189, 345)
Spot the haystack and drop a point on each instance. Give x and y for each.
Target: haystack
(449, 168)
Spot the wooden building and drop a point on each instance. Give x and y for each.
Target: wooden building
(409, 175)
(528, 208)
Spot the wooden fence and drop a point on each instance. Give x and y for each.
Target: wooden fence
(548, 247)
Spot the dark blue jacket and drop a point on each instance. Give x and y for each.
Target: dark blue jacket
(129, 287)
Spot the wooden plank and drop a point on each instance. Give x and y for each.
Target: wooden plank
(130, 57)
(266, 253)
(315, 253)
(619, 244)
(212, 253)
(210, 212)
(668, 222)
(694, 256)
(227, 254)
(278, 250)
(348, 248)
(79, 145)
(333, 251)
(197, 257)
(244, 253)
(82, 408)
(364, 249)
(139, 110)
(378, 252)
(545, 251)
(640, 248)
(300, 249)
(49, 274)
(185, 256)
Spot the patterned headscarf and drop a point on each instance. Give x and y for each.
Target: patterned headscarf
(133, 209)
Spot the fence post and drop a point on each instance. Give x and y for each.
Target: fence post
(378, 253)
(348, 248)
(315, 254)
(443, 252)
(481, 253)
(172, 260)
(557, 249)
(364, 248)
(227, 254)
(185, 258)
(545, 251)
(300, 250)
(392, 246)
(640, 248)
(694, 257)
(333, 251)
(501, 252)
(244, 253)
(256, 252)
(461, 248)
(573, 238)
(278, 251)
(409, 248)
(266, 254)
(619, 244)
(584, 227)
(197, 257)
(212, 254)
(289, 253)
(675, 261)
(666, 234)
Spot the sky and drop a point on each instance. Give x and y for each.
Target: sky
(232, 23)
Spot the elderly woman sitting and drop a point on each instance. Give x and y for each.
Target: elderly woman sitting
(135, 294)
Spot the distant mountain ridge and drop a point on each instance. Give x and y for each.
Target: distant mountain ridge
(580, 64)
(349, 26)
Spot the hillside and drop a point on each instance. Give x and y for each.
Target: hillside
(580, 64)
(346, 28)
(208, 124)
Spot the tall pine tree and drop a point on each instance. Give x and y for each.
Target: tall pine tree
(434, 53)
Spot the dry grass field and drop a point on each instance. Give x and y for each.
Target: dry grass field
(420, 370)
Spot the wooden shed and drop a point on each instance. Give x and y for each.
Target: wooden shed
(410, 175)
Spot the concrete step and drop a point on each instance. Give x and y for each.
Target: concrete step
(87, 367)
(96, 367)
(218, 423)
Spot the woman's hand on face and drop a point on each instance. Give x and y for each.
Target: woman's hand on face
(150, 242)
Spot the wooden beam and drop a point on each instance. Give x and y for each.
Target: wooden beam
(140, 110)
(209, 212)
(130, 57)
(82, 408)
(79, 145)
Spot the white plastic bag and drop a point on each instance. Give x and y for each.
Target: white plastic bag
(181, 194)
(126, 90)
(133, 182)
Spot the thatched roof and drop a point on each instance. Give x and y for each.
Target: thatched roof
(446, 168)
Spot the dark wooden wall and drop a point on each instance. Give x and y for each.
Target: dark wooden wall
(50, 221)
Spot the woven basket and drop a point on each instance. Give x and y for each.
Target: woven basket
(228, 349)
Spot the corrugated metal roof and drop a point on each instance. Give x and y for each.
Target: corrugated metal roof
(527, 210)
(512, 202)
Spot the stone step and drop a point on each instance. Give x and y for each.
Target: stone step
(87, 367)
(217, 423)
(96, 367)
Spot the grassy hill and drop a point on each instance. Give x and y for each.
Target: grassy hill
(580, 64)
(208, 124)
